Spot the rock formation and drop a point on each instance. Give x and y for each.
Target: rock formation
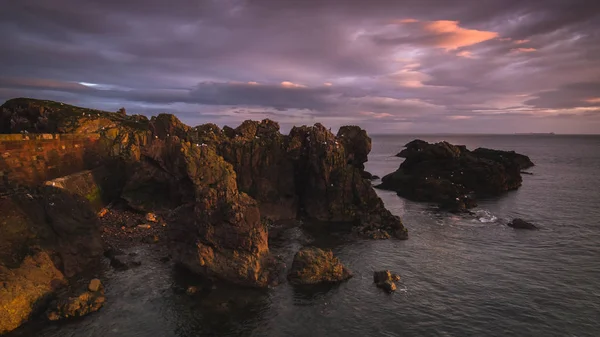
(45, 235)
(214, 187)
(385, 280)
(313, 265)
(521, 224)
(88, 301)
(451, 175)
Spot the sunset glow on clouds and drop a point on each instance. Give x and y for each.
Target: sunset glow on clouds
(391, 66)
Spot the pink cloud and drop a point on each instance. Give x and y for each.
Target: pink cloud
(459, 117)
(524, 50)
(288, 84)
(521, 41)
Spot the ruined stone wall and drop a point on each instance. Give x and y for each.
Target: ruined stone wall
(30, 159)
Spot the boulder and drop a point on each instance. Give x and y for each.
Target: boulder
(521, 224)
(313, 265)
(83, 304)
(385, 280)
(382, 276)
(24, 288)
(451, 175)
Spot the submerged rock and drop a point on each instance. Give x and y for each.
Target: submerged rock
(451, 175)
(83, 304)
(521, 224)
(314, 265)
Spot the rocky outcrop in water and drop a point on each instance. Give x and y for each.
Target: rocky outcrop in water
(385, 280)
(88, 301)
(313, 265)
(451, 175)
(46, 235)
(521, 224)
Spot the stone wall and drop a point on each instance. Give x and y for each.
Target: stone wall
(31, 159)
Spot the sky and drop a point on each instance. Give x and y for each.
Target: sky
(390, 66)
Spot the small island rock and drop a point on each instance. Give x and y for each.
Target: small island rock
(521, 224)
(313, 265)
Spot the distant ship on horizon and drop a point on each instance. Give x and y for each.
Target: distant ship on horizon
(536, 133)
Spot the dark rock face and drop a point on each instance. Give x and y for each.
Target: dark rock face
(90, 300)
(521, 224)
(45, 235)
(385, 280)
(258, 153)
(450, 175)
(216, 229)
(314, 265)
(508, 158)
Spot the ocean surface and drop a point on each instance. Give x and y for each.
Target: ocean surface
(461, 275)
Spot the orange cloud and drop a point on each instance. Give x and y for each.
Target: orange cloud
(288, 84)
(328, 84)
(505, 39)
(451, 36)
(521, 41)
(592, 100)
(408, 21)
(524, 50)
(253, 83)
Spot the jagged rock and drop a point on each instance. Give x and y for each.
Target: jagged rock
(508, 157)
(412, 147)
(357, 144)
(314, 265)
(215, 184)
(382, 276)
(451, 175)
(385, 280)
(216, 229)
(388, 286)
(331, 190)
(85, 303)
(258, 153)
(521, 224)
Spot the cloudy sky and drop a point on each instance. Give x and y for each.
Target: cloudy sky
(405, 66)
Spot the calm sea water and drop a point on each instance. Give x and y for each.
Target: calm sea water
(461, 275)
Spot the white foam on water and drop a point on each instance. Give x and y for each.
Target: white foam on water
(485, 216)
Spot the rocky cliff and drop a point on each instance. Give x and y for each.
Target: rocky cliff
(217, 186)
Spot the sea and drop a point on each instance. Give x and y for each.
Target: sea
(461, 275)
